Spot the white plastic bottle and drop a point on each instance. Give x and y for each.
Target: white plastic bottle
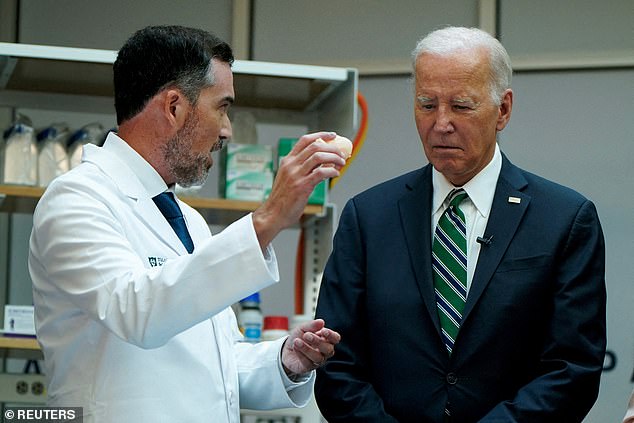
(20, 155)
(275, 327)
(90, 134)
(52, 159)
(244, 129)
(250, 318)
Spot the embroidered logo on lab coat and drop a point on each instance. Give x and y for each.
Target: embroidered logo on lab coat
(156, 261)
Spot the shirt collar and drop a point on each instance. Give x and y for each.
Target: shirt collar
(149, 178)
(481, 188)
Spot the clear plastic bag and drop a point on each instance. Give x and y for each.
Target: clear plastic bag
(52, 158)
(92, 133)
(20, 154)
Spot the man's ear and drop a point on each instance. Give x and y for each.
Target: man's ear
(505, 109)
(176, 107)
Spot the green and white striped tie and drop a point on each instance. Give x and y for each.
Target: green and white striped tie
(449, 262)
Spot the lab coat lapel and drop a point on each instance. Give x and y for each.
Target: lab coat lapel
(508, 208)
(415, 210)
(152, 216)
(130, 186)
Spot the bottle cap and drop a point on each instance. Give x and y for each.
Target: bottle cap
(275, 322)
(254, 298)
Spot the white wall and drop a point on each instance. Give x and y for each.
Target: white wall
(107, 24)
(350, 33)
(568, 27)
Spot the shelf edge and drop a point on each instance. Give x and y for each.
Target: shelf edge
(19, 343)
(221, 204)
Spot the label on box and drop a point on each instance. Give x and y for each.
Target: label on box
(19, 320)
(249, 157)
(248, 186)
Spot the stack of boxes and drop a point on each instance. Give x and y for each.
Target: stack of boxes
(247, 172)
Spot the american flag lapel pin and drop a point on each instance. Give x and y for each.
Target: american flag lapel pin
(515, 200)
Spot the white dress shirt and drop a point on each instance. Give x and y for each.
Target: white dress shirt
(481, 189)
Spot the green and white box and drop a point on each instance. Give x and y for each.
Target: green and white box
(319, 195)
(246, 172)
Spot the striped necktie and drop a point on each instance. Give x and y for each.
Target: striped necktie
(166, 203)
(449, 262)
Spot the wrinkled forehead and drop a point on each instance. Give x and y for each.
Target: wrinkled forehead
(433, 68)
(464, 58)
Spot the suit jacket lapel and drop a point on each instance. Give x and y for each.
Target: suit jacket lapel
(504, 219)
(415, 211)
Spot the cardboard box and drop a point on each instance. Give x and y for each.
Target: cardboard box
(248, 157)
(246, 172)
(319, 195)
(248, 186)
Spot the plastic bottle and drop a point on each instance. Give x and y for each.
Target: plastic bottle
(274, 328)
(250, 318)
(52, 160)
(20, 154)
(274, 419)
(89, 134)
(244, 130)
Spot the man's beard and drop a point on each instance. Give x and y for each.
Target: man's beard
(188, 168)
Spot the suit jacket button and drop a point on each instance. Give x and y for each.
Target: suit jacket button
(452, 379)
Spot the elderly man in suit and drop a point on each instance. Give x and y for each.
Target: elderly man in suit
(468, 290)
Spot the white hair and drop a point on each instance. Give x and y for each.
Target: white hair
(451, 39)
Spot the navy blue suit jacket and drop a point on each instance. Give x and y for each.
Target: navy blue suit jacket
(533, 336)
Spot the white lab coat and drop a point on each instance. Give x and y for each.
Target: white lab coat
(134, 329)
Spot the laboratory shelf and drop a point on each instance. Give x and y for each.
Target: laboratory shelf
(18, 342)
(28, 72)
(220, 211)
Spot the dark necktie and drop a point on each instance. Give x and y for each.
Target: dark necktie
(449, 260)
(166, 203)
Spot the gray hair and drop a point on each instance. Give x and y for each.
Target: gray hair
(191, 83)
(450, 39)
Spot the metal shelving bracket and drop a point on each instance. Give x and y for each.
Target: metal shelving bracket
(318, 233)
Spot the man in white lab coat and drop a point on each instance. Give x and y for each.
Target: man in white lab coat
(133, 327)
